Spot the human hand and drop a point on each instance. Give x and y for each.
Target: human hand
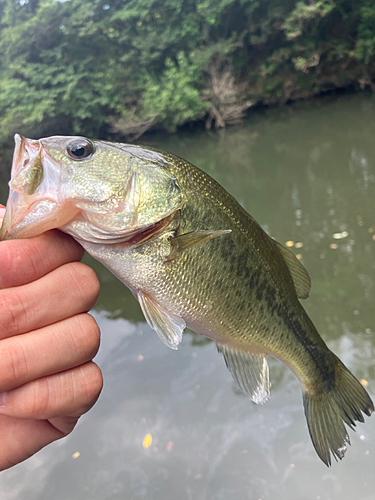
(47, 342)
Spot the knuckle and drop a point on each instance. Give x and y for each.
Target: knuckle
(88, 334)
(13, 369)
(96, 381)
(13, 313)
(14, 254)
(71, 393)
(91, 386)
(32, 400)
(86, 281)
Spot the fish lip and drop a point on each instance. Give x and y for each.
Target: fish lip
(25, 151)
(12, 222)
(18, 152)
(30, 211)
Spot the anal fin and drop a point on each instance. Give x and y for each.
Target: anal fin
(168, 326)
(250, 372)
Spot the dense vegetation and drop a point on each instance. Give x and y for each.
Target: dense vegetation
(108, 67)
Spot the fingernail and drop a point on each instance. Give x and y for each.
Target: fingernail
(3, 399)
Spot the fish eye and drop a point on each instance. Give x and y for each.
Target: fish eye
(80, 149)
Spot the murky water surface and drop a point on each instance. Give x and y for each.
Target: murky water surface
(307, 174)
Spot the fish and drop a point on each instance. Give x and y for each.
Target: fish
(193, 257)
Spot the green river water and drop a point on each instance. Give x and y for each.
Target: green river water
(307, 174)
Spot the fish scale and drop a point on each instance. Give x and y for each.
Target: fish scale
(193, 257)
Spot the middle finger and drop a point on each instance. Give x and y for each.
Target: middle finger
(64, 292)
(50, 350)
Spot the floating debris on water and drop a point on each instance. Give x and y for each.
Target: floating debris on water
(333, 246)
(289, 243)
(340, 236)
(140, 357)
(76, 455)
(147, 441)
(169, 445)
(364, 382)
(299, 244)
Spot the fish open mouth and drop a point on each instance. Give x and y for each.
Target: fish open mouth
(31, 209)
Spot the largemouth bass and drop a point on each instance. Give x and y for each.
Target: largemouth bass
(193, 257)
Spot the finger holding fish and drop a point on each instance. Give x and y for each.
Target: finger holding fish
(40, 412)
(68, 347)
(69, 393)
(22, 309)
(47, 378)
(28, 260)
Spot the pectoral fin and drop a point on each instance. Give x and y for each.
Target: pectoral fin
(301, 278)
(187, 240)
(250, 372)
(169, 327)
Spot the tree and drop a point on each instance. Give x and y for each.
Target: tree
(105, 67)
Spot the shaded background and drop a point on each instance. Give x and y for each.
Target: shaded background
(307, 174)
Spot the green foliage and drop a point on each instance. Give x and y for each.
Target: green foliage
(174, 98)
(365, 46)
(79, 66)
(305, 17)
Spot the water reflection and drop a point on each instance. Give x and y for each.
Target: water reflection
(306, 173)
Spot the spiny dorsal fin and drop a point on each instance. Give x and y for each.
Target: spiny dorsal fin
(301, 278)
(250, 372)
(187, 240)
(168, 326)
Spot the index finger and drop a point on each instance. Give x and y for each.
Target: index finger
(24, 261)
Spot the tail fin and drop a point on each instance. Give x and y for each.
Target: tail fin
(328, 409)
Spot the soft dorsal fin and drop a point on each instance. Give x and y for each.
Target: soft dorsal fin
(301, 278)
(169, 327)
(187, 240)
(250, 372)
